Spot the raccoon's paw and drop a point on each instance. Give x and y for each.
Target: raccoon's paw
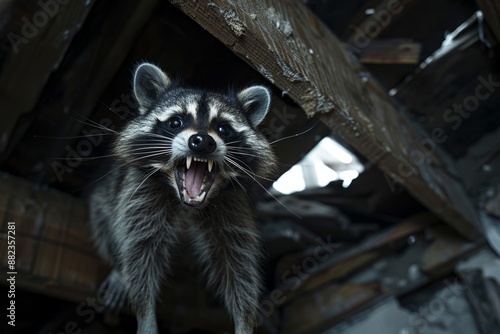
(113, 293)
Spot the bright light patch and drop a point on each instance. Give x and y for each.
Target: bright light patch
(348, 176)
(336, 150)
(324, 174)
(291, 181)
(369, 11)
(328, 161)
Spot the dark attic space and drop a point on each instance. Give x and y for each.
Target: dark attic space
(139, 191)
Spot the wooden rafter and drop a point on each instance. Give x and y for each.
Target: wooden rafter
(286, 43)
(37, 39)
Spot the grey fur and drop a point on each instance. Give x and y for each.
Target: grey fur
(141, 213)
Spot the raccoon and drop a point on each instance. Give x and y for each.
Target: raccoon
(183, 166)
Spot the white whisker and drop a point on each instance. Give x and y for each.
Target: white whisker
(248, 169)
(147, 177)
(292, 136)
(96, 125)
(74, 137)
(89, 158)
(260, 185)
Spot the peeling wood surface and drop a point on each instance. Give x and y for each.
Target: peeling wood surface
(296, 52)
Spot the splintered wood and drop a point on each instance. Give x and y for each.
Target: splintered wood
(289, 46)
(330, 287)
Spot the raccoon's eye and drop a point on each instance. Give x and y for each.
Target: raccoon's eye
(176, 122)
(224, 130)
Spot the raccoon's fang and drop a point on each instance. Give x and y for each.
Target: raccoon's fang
(189, 160)
(195, 177)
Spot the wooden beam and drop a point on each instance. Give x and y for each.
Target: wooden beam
(74, 90)
(285, 42)
(94, 68)
(54, 254)
(344, 263)
(376, 23)
(38, 37)
(391, 51)
(317, 312)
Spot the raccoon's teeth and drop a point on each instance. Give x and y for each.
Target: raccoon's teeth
(188, 162)
(202, 196)
(210, 165)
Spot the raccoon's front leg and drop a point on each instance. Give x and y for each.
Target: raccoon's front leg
(229, 253)
(145, 264)
(113, 292)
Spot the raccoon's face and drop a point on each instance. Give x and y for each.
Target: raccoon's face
(200, 140)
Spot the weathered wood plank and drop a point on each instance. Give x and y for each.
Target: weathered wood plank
(317, 312)
(95, 68)
(74, 90)
(38, 37)
(445, 250)
(340, 265)
(391, 51)
(377, 22)
(419, 260)
(54, 254)
(296, 52)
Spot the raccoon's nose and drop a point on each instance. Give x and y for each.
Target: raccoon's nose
(201, 143)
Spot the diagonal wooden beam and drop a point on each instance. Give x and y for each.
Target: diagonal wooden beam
(391, 51)
(374, 24)
(286, 43)
(38, 36)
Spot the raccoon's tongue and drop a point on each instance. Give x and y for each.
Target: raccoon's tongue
(194, 177)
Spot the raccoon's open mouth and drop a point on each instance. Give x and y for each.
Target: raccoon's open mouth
(194, 177)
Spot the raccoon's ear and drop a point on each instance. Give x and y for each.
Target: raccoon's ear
(149, 83)
(256, 101)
